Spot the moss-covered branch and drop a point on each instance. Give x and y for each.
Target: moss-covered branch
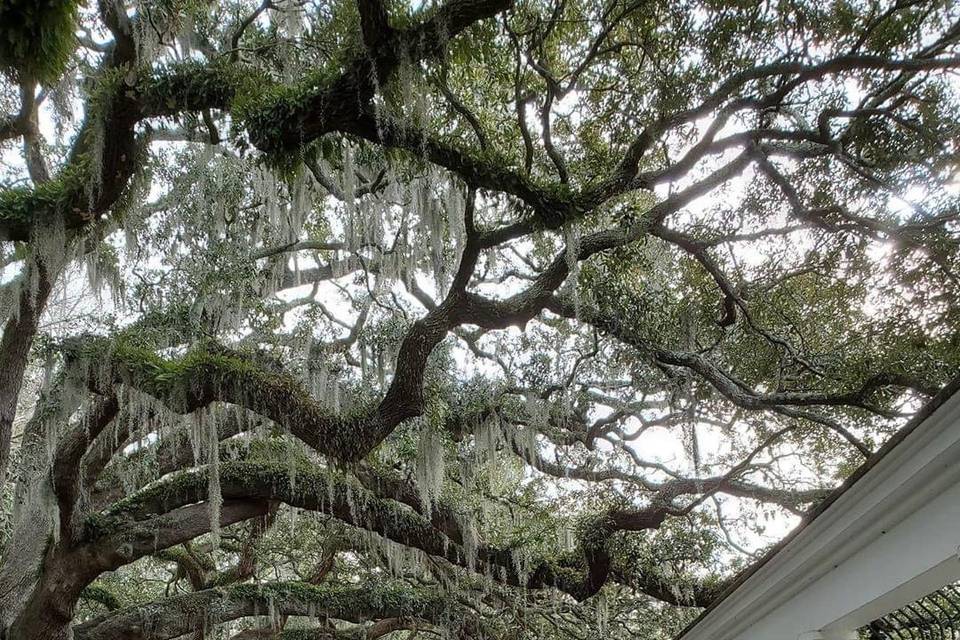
(279, 120)
(185, 614)
(209, 373)
(134, 523)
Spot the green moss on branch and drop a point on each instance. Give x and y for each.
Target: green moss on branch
(37, 38)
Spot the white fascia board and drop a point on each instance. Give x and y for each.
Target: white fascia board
(893, 532)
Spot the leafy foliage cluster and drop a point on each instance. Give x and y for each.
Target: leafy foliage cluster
(37, 38)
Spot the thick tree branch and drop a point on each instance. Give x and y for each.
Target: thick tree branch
(183, 614)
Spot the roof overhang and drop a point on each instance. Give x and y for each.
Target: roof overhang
(888, 536)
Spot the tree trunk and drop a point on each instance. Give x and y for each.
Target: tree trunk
(34, 508)
(48, 612)
(15, 347)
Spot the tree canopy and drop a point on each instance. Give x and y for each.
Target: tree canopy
(464, 318)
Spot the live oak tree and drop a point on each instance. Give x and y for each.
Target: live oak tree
(478, 319)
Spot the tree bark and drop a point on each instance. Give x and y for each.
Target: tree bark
(15, 347)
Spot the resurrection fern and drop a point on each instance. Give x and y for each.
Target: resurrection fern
(37, 38)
